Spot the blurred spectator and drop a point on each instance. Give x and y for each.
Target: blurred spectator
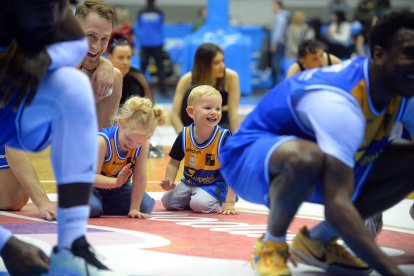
(339, 36)
(338, 5)
(134, 82)
(311, 55)
(150, 23)
(122, 27)
(278, 38)
(361, 46)
(365, 13)
(382, 6)
(316, 24)
(298, 30)
(201, 18)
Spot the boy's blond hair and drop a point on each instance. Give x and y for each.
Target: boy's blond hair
(201, 91)
(97, 6)
(139, 112)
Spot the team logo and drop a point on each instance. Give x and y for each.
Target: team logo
(210, 159)
(192, 161)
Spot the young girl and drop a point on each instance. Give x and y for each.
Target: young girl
(123, 150)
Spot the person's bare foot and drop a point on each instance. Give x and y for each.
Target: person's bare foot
(22, 258)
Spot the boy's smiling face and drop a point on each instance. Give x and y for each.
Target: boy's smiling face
(206, 111)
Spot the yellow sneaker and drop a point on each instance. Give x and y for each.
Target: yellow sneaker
(332, 257)
(269, 258)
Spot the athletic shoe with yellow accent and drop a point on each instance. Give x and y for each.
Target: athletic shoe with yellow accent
(332, 257)
(269, 258)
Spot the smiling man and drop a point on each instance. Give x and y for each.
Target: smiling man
(96, 19)
(324, 136)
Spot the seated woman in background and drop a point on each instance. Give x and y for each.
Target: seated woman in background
(208, 69)
(311, 55)
(134, 82)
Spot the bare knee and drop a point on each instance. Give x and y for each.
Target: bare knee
(301, 159)
(13, 202)
(12, 196)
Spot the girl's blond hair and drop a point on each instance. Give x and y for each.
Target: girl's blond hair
(139, 112)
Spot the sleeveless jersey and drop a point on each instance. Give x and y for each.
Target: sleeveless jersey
(3, 159)
(114, 161)
(276, 113)
(201, 162)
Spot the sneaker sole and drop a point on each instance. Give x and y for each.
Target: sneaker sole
(252, 264)
(301, 257)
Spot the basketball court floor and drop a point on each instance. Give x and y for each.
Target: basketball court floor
(185, 243)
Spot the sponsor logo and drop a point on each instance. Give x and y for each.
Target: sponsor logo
(193, 151)
(192, 161)
(210, 159)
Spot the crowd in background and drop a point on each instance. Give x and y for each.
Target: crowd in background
(344, 34)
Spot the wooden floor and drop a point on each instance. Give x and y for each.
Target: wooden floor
(155, 170)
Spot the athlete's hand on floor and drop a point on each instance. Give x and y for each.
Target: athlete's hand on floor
(228, 209)
(47, 210)
(167, 185)
(21, 74)
(134, 213)
(22, 258)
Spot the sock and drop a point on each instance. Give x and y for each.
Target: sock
(71, 224)
(323, 231)
(5, 235)
(276, 239)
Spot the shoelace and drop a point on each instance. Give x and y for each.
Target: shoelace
(272, 254)
(338, 250)
(92, 257)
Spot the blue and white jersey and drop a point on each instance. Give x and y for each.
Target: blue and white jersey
(282, 113)
(3, 160)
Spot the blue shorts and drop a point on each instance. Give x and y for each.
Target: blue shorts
(245, 164)
(63, 115)
(3, 160)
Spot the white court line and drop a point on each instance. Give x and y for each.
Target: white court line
(396, 218)
(122, 256)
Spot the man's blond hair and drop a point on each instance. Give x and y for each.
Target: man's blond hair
(96, 6)
(201, 91)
